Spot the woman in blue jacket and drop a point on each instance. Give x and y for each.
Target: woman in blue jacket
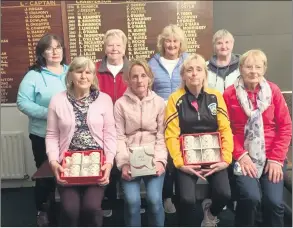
(43, 80)
(166, 64)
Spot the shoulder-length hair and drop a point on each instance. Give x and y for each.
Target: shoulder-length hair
(81, 63)
(43, 44)
(147, 69)
(172, 31)
(255, 53)
(185, 64)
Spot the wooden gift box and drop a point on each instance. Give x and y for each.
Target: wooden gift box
(82, 180)
(142, 161)
(200, 150)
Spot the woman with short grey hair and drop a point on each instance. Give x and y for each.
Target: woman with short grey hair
(223, 65)
(110, 72)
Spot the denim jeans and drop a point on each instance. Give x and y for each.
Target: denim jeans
(132, 200)
(251, 192)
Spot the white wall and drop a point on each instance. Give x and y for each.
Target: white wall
(13, 120)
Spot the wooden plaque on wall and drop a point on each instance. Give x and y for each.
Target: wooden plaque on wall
(82, 24)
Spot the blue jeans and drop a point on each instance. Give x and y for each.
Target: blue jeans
(132, 200)
(252, 193)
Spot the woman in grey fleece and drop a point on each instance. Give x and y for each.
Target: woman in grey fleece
(223, 65)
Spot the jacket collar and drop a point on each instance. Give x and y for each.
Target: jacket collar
(103, 66)
(132, 96)
(191, 97)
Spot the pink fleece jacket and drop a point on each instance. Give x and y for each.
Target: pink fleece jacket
(139, 122)
(61, 125)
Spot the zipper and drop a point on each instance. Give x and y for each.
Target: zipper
(115, 95)
(140, 124)
(198, 115)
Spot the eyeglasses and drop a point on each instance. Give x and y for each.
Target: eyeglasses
(50, 50)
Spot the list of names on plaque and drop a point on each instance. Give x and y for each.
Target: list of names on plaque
(5, 81)
(187, 20)
(85, 23)
(137, 31)
(37, 23)
(23, 24)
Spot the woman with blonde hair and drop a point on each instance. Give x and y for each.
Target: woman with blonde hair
(172, 46)
(194, 108)
(262, 130)
(81, 119)
(139, 116)
(223, 66)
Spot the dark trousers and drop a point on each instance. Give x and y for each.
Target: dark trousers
(111, 188)
(251, 192)
(168, 186)
(81, 205)
(44, 187)
(170, 180)
(220, 195)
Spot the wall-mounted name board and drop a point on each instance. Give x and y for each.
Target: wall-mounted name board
(82, 24)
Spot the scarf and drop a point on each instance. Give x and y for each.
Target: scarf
(254, 140)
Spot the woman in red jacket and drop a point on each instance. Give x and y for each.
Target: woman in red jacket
(110, 76)
(262, 130)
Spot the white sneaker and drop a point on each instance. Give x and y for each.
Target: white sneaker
(208, 219)
(107, 213)
(169, 206)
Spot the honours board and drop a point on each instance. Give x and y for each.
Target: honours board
(82, 24)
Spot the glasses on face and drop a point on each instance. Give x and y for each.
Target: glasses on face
(250, 67)
(50, 50)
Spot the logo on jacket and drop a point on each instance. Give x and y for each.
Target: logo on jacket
(213, 108)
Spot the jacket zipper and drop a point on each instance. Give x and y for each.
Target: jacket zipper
(115, 89)
(198, 115)
(140, 124)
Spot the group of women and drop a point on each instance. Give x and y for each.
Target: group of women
(116, 104)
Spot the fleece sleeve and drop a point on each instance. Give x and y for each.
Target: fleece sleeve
(26, 98)
(284, 128)
(238, 150)
(122, 156)
(53, 133)
(224, 129)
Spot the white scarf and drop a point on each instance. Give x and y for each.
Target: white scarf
(254, 140)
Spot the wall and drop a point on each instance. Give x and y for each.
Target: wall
(14, 120)
(261, 24)
(257, 24)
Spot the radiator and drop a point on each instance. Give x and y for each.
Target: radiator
(12, 152)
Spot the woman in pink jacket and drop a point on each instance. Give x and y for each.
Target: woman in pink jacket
(81, 119)
(139, 116)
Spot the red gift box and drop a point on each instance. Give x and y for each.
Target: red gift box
(184, 153)
(82, 180)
